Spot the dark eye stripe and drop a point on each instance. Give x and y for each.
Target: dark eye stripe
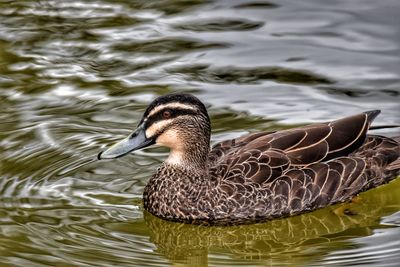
(176, 112)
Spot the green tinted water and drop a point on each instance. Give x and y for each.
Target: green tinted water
(76, 76)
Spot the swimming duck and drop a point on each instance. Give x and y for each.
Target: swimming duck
(259, 176)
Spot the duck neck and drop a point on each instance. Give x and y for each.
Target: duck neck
(192, 156)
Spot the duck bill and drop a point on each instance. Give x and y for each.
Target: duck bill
(134, 141)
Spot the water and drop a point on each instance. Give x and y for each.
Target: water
(76, 75)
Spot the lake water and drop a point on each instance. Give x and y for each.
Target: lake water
(75, 76)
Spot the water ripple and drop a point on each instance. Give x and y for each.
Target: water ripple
(76, 76)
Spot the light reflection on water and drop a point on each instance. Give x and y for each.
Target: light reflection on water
(76, 76)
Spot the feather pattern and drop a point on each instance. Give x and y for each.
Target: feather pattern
(265, 175)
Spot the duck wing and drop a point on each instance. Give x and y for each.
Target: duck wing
(263, 157)
(376, 162)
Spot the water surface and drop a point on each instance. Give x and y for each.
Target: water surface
(76, 76)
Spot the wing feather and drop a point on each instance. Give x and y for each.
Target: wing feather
(307, 167)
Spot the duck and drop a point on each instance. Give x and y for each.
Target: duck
(259, 176)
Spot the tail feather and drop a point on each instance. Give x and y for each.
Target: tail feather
(377, 127)
(394, 167)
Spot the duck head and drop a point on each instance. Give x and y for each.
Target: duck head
(177, 121)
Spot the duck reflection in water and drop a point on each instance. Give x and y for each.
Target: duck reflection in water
(330, 229)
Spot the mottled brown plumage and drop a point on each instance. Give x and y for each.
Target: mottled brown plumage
(259, 176)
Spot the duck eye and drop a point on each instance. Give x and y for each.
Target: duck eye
(166, 114)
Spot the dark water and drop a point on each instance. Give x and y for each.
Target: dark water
(76, 76)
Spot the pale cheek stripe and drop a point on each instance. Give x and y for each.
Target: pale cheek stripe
(157, 127)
